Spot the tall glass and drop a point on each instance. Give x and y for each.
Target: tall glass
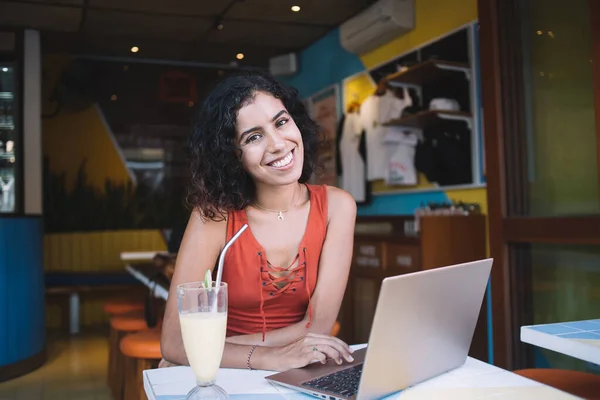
(203, 319)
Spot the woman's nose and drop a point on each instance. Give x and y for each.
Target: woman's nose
(276, 142)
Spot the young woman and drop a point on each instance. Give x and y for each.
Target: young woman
(253, 149)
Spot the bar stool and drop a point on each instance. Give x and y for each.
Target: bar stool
(140, 351)
(577, 383)
(122, 306)
(120, 325)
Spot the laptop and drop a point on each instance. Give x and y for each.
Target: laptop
(423, 326)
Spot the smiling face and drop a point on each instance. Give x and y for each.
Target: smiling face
(271, 143)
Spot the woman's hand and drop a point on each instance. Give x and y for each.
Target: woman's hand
(307, 349)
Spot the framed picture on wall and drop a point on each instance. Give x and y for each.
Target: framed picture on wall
(323, 108)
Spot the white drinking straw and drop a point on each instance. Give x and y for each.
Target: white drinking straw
(222, 255)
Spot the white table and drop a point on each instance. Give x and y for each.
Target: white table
(139, 255)
(579, 339)
(474, 380)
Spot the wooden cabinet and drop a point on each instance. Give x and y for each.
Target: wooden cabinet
(384, 246)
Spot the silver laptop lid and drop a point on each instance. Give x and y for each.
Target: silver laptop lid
(423, 326)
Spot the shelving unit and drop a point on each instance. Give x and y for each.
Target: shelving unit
(428, 118)
(440, 70)
(6, 98)
(9, 151)
(427, 72)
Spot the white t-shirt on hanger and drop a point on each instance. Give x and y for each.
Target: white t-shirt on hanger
(375, 111)
(401, 145)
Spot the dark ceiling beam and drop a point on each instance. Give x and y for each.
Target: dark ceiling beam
(160, 61)
(86, 6)
(161, 41)
(276, 22)
(159, 49)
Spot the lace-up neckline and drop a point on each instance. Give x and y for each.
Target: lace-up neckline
(260, 297)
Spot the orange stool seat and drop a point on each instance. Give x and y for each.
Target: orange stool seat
(581, 384)
(141, 351)
(121, 325)
(122, 306)
(336, 328)
(130, 322)
(144, 344)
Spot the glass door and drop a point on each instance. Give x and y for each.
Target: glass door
(8, 138)
(541, 99)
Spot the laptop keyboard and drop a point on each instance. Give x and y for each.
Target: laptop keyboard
(344, 383)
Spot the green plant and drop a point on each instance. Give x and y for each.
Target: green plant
(117, 207)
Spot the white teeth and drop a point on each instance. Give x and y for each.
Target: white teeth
(284, 162)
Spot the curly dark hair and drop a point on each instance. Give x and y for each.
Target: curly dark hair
(218, 182)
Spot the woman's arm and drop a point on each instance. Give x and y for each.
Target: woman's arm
(334, 267)
(200, 247)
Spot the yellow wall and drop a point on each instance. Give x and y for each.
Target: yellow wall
(433, 18)
(96, 251)
(72, 137)
(93, 252)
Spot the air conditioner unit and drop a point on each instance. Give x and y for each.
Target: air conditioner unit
(283, 65)
(377, 25)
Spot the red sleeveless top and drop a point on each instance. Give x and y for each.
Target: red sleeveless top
(256, 302)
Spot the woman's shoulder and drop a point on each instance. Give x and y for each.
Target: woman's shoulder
(214, 227)
(338, 201)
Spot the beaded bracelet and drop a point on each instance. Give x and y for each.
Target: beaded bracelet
(250, 354)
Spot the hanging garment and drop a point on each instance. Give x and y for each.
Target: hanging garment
(444, 156)
(400, 145)
(8, 194)
(351, 162)
(375, 111)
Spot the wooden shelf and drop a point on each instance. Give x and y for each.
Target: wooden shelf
(428, 118)
(428, 71)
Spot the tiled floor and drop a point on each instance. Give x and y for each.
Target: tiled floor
(76, 369)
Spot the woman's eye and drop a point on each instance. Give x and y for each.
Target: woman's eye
(281, 122)
(253, 137)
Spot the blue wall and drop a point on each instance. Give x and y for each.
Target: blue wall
(22, 304)
(324, 63)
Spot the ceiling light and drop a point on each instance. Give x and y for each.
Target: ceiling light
(113, 97)
(295, 8)
(240, 56)
(135, 49)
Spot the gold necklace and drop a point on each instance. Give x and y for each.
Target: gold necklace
(279, 212)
